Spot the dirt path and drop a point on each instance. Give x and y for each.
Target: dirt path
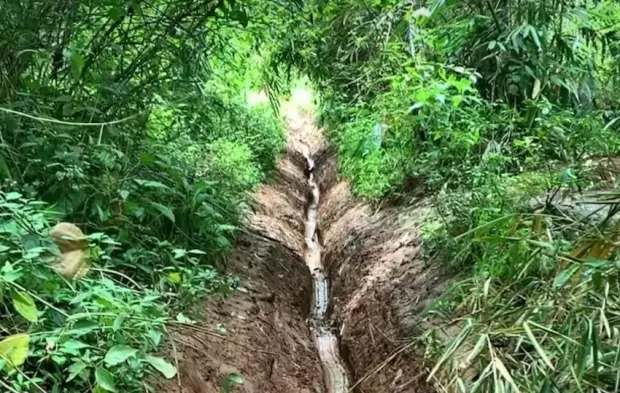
(268, 340)
(356, 290)
(325, 336)
(380, 284)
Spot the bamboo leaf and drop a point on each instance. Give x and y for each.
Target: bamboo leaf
(502, 370)
(582, 353)
(595, 348)
(454, 345)
(480, 230)
(105, 379)
(536, 91)
(480, 344)
(562, 278)
(537, 346)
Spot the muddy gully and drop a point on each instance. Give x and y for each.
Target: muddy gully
(334, 373)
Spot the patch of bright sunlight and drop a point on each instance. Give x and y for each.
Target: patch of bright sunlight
(255, 98)
(302, 96)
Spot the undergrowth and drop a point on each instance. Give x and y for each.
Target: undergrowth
(502, 113)
(128, 123)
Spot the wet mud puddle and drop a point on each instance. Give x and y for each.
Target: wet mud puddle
(334, 372)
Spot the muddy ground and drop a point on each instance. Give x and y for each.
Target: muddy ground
(379, 284)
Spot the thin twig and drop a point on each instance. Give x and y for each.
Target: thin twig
(221, 337)
(34, 295)
(381, 366)
(176, 359)
(100, 135)
(191, 346)
(8, 387)
(138, 286)
(67, 123)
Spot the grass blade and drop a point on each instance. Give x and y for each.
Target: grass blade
(537, 346)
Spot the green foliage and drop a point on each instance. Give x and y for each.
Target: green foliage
(457, 88)
(130, 120)
(537, 312)
(79, 332)
(233, 162)
(487, 106)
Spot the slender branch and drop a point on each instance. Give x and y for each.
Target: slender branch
(67, 123)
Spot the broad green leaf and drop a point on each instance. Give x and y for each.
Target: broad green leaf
(24, 304)
(105, 379)
(12, 196)
(562, 278)
(75, 369)
(118, 354)
(155, 336)
(161, 365)
(74, 344)
(83, 327)
(175, 277)
(231, 380)
(14, 349)
(73, 347)
(77, 64)
(118, 322)
(59, 359)
(166, 211)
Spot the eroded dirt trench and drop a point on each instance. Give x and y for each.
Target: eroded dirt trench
(331, 289)
(325, 338)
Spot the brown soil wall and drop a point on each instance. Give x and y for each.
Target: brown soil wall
(380, 284)
(267, 339)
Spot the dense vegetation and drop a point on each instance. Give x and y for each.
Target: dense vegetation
(128, 119)
(499, 110)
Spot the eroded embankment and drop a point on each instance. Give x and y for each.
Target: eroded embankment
(267, 340)
(380, 284)
(325, 336)
(284, 335)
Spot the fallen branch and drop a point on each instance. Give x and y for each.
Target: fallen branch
(381, 366)
(221, 337)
